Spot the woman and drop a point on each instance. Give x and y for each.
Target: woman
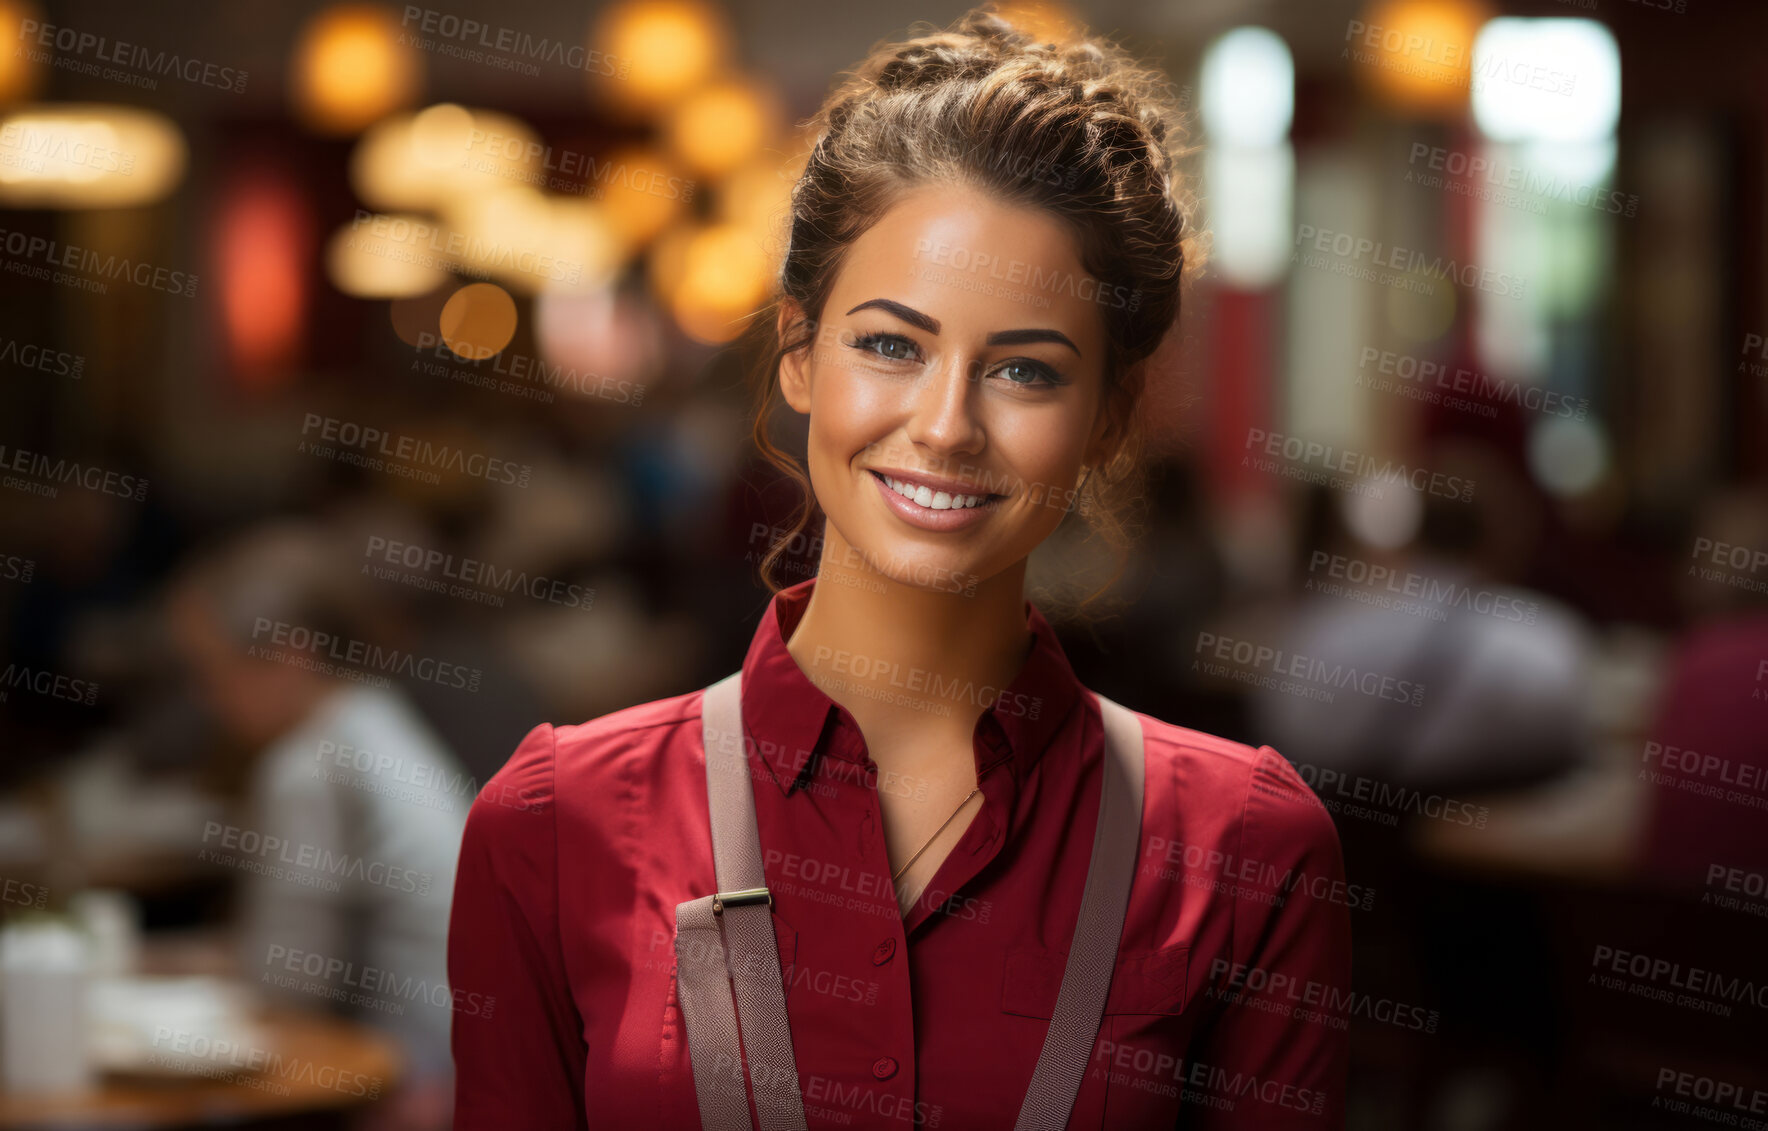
(986, 246)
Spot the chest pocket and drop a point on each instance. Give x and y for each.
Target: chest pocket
(1142, 982)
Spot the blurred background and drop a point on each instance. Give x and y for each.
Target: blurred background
(373, 390)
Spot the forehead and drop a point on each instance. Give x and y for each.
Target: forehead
(971, 261)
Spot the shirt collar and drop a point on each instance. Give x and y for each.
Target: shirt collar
(793, 722)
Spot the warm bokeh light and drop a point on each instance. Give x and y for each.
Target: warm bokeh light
(722, 126)
(515, 215)
(88, 155)
(665, 50)
(759, 196)
(667, 262)
(441, 155)
(478, 321)
(19, 74)
(641, 190)
(441, 136)
(350, 69)
(1416, 55)
(529, 240)
(386, 256)
(1046, 22)
(578, 232)
(505, 234)
(262, 236)
(712, 278)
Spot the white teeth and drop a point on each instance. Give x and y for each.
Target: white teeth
(931, 499)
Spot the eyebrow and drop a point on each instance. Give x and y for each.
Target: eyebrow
(1023, 337)
(999, 338)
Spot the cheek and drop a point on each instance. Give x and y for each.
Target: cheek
(1042, 447)
(848, 413)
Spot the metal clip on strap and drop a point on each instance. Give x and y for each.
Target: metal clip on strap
(738, 921)
(724, 899)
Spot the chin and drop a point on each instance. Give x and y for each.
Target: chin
(936, 570)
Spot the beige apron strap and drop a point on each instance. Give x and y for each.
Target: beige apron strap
(741, 914)
(1080, 1004)
(744, 909)
(702, 987)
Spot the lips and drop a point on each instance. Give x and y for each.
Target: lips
(931, 505)
(933, 491)
(923, 495)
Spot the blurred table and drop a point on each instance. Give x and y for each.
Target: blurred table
(328, 1064)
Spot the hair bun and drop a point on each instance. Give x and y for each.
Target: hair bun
(985, 39)
(973, 49)
(989, 25)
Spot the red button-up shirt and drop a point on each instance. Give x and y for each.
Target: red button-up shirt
(1229, 1002)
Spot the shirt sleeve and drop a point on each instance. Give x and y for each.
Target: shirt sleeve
(301, 909)
(517, 1037)
(1278, 1046)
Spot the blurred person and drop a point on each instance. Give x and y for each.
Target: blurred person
(922, 768)
(363, 803)
(1490, 680)
(1679, 800)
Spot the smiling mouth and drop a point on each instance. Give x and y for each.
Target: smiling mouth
(926, 497)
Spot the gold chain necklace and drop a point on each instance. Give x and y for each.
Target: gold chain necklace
(936, 833)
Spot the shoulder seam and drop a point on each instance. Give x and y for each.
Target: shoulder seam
(634, 727)
(1204, 743)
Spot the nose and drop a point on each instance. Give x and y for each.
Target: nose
(942, 418)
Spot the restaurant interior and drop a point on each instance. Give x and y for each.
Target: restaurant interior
(254, 257)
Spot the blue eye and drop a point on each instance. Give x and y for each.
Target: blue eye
(881, 344)
(1021, 371)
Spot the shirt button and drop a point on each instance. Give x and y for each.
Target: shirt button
(884, 1068)
(882, 952)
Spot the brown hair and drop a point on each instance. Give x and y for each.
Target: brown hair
(1075, 127)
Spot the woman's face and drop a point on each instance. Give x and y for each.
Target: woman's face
(962, 357)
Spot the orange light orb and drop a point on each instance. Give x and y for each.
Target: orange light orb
(1416, 55)
(349, 69)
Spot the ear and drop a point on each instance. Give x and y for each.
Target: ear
(1112, 426)
(794, 366)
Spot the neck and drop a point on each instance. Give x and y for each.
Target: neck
(944, 656)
